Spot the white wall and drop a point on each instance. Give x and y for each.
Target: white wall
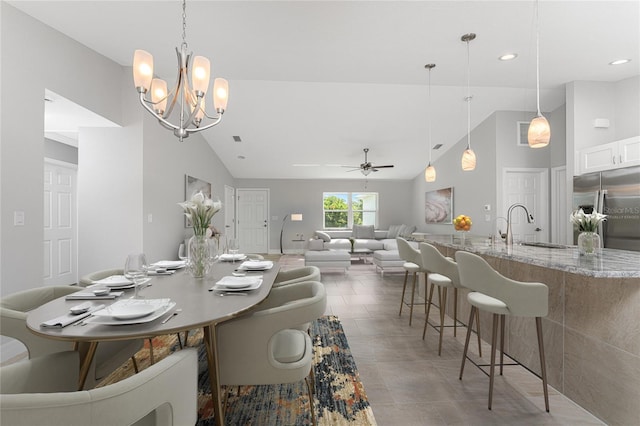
(305, 196)
(627, 108)
(35, 57)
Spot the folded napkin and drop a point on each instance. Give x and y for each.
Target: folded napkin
(169, 264)
(83, 295)
(231, 282)
(229, 257)
(114, 280)
(68, 319)
(167, 272)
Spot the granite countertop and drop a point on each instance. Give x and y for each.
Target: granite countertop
(610, 263)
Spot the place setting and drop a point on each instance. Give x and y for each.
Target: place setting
(237, 285)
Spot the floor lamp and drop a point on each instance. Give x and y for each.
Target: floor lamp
(295, 217)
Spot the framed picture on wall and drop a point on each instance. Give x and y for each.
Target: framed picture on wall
(193, 185)
(438, 206)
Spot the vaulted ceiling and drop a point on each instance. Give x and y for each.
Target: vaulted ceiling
(312, 83)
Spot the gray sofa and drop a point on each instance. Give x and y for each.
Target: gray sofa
(383, 244)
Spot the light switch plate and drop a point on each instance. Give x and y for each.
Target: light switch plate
(18, 218)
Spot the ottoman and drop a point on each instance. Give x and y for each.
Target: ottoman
(386, 259)
(328, 259)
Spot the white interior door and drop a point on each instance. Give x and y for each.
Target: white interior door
(60, 222)
(229, 212)
(531, 188)
(253, 223)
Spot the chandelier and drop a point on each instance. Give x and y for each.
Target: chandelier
(187, 98)
(468, 160)
(539, 132)
(430, 171)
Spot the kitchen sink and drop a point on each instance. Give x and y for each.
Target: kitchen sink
(545, 245)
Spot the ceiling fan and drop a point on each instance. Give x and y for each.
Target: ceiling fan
(366, 167)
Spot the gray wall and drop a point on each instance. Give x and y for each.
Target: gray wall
(23, 83)
(495, 144)
(60, 151)
(124, 174)
(305, 196)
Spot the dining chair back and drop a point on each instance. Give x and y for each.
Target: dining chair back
(297, 275)
(41, 391)
(501, 296)
(90, 279)
(13, 319)
(265, 346)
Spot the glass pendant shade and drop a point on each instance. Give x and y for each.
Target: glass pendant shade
(430, 173)
(468, 160)
(200, 74)
(220, 94)
(539, 132)
(159, 95)
(142, 69)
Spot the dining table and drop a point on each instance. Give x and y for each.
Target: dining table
(196, 306)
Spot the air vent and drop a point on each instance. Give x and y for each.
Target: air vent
(438, 146)
(237, 139)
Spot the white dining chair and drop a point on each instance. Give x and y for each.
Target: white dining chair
(502, 296)
(14, 309)
(297, 275)
(41, 391)
(265, 346)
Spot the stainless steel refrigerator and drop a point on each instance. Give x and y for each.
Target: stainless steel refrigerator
(615, 193)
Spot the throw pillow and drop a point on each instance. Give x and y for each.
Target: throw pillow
(364, 232)
(323, 236)
(406, 230)
(393, 231)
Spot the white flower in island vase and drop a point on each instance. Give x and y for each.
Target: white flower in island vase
(200, 210)
(588, 240)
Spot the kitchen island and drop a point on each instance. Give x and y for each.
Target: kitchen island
(592, 331)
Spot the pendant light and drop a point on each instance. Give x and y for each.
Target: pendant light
(468, 156)
(430, 171)
(539, 130)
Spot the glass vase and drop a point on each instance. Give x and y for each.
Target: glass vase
(588, 243)
(199, 254)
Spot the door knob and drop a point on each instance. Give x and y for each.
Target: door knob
(538, 229)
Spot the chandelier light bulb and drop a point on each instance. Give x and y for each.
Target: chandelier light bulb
(220, 94)
(200, 74)
(142, 70)
(159, 95)
(539, 133)
(430, 173)
(468, 161)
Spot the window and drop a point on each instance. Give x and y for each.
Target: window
(341, 210)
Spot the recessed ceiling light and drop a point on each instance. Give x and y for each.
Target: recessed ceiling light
(241, 157)
(437, 146)
(237, 139)
(619, 61)
(508, 57)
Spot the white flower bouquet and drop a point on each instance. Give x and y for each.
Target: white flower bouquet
(199, 210)
(587, 222)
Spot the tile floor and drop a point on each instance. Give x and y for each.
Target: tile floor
(407, 383)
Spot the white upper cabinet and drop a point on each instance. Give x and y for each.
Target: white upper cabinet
(613, 155)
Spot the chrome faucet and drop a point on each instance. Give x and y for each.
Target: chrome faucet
(509, 240)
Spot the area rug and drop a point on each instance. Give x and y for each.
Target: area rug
(339, 396)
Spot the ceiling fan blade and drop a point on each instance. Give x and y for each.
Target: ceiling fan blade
(353, 167)
(383, 167)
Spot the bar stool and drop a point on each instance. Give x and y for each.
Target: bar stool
(502, 296)
(444, 275)
(412, 264)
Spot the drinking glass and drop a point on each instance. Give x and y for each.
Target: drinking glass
(182, 252)
(234, 248)
(135, 269)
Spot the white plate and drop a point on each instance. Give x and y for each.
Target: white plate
(238, 282)
(219, 287)
(170, 264)
(162, 307)
(226, 257)
(256, 265)
(131, 312)
(114, 281)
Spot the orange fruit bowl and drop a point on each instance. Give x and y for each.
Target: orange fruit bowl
(462, 223)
